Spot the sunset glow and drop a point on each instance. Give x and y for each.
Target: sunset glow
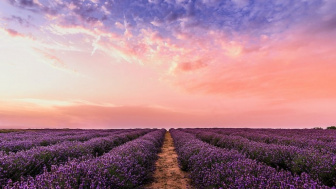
(167, 63)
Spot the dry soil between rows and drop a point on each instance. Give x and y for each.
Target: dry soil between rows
(167, 174)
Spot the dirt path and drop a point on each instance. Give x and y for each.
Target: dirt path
(167, 174)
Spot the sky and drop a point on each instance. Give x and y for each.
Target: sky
(167, 63)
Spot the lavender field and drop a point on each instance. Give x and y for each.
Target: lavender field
(79, 158)
(127, 158)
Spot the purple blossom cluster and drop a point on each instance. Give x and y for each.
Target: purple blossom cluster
(14, 166)
(304, 134)
(213, 167)
(318, 165)
(127, 166)
(322, 140)
(34, 139)
(38, 133)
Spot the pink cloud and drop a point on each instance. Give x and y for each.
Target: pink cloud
(292, 65)
(14, 33)
(189, 66)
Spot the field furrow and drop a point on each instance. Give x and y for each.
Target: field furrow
(168, 175)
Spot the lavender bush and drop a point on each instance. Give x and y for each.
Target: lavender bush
(213, 167)
(127, 166)
(46, 139)
(322, 141)
(32, 162)
(320, 166)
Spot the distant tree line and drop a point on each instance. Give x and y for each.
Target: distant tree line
(331, 127)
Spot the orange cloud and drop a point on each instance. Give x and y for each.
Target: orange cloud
(290, 66)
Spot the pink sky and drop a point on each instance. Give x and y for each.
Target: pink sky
(265, 65)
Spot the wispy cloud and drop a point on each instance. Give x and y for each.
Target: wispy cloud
(14, 33)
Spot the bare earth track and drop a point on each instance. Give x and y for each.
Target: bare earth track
(167, 174)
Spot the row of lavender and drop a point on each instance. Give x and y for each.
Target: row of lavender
(22, 135)
(32, 162)
(316, 134)
(24, 140)
(320, 166)
(322, 140)
(128, 166)
(213, 167)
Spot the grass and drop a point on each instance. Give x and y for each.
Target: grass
(9, 130)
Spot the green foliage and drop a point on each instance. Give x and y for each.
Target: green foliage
(8, 130)
(331, 127)
(44, 143)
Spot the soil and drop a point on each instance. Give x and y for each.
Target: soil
(167, 174)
